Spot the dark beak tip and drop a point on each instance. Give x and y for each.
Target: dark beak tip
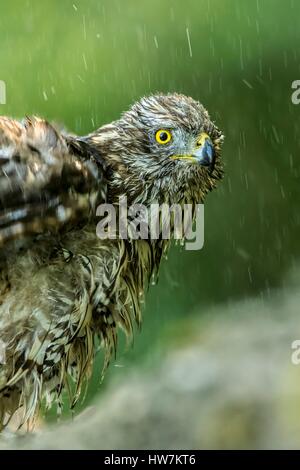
(208, 154)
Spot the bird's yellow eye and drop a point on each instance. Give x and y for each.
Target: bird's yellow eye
(163, 136)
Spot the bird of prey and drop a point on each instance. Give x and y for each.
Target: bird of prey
(63, 290)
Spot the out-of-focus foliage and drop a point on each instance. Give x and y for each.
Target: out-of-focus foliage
(82, 62)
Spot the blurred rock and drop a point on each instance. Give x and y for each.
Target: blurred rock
(230, 384)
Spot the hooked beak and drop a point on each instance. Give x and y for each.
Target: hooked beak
(203, 154)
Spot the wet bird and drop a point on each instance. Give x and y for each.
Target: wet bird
(65, 292)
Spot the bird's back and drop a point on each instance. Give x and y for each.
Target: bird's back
(49, 252)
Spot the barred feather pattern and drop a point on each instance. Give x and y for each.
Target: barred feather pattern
(89, 296)
(64, 291)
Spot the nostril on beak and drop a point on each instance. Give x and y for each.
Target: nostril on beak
(204, 155)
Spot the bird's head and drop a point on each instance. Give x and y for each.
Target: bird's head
(164, 148)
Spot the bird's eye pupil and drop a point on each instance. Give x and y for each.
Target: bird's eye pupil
(163, 136)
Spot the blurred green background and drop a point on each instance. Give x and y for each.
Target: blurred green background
(82, 62)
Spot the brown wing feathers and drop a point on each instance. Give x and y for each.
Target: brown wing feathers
(46, 180)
